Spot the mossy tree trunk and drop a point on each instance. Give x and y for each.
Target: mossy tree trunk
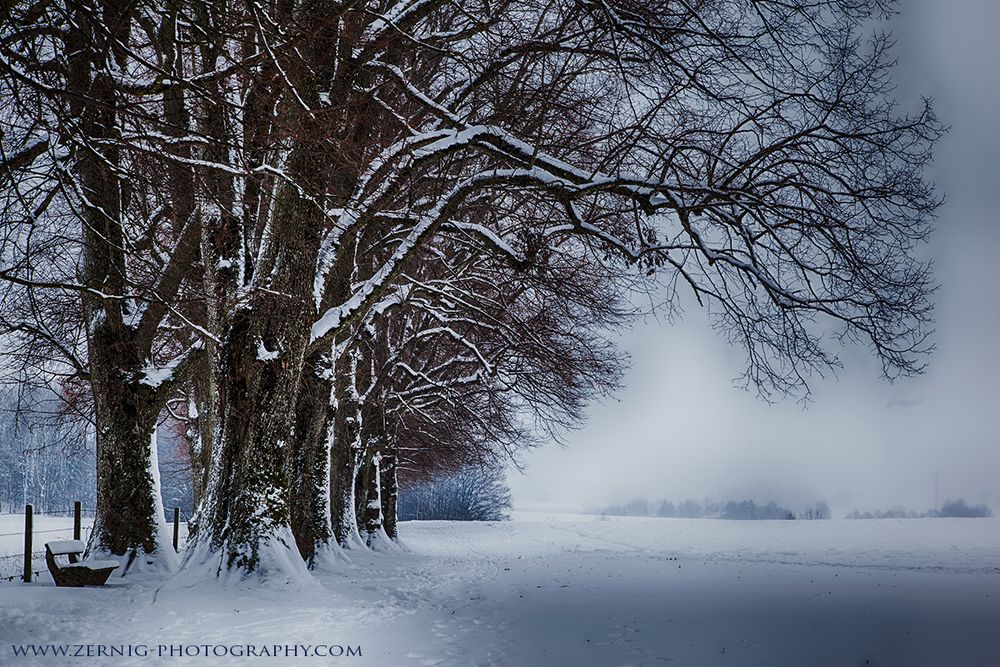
(261, 356)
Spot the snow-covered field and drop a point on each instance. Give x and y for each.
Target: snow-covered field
(559, 590)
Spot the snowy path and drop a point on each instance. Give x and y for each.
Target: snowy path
(570, 590)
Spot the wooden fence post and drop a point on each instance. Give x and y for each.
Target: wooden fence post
(77, 508)
(27, 544)
(177, 524)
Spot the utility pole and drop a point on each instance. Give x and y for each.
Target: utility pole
(936, 505)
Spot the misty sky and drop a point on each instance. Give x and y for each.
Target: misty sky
(680, 429)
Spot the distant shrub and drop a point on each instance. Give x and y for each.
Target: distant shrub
(473, 494)
(818, 511)
(958, 508)
(666, 508)
(634, 507)
(748, 510)
(690, 509)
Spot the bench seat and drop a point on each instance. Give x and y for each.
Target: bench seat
(77, 572)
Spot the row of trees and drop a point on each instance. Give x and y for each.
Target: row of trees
(710, 509)
(343, 242)
(949, 509)
(48, 464)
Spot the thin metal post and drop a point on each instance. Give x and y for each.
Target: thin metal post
(27, 543)
(77, 510)
(177, 524)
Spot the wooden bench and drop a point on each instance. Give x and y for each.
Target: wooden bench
(77, 572)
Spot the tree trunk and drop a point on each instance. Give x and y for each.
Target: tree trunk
(370, 512)
(203, 429)
(327, 426)
(219, 245)
(309, 462)
(344, 437)
(344, 462)
(129, 508)
(247, 513)
(390, 495)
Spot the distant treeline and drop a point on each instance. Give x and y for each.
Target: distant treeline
(51, 464)
(950, 509)
(708, 509)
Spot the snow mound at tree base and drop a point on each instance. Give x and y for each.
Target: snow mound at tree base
(330, 558)
(279, 565)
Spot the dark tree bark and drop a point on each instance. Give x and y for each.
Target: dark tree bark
(128, 510)
(344, 464)
(309, 462)
(390, 495)
(370, 509)
(262, 358)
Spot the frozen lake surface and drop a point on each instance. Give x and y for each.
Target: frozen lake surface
(558, 589)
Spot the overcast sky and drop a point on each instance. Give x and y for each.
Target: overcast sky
(680, 429)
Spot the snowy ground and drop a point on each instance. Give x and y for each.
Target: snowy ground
(559, 590)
